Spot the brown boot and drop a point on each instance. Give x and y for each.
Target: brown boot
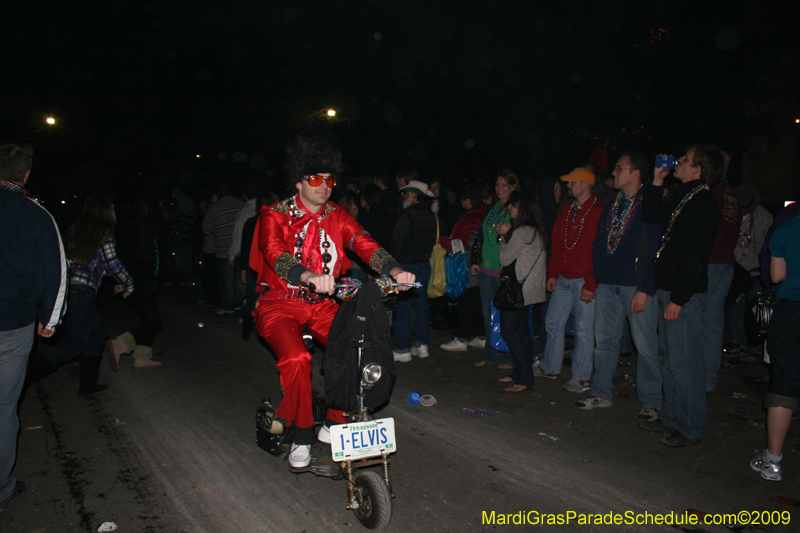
(124, 344)
(143, 358)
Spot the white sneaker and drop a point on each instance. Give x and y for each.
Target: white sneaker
(590, 403)
(477, 342)
(577, 385)
(300, 456)
(455, 345)
(402, 357)
(324, 435)
(420, 351)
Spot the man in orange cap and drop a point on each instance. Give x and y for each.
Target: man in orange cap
(570, 277)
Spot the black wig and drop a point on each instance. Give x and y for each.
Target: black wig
(311, 155)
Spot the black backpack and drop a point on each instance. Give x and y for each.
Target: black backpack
(359, 323)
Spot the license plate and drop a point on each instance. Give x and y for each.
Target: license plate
(360, 440)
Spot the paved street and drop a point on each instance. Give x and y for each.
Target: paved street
(173, 449)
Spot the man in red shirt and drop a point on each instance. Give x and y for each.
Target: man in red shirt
(570, 277)
(298, 242)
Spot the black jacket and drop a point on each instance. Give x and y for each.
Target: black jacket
(682, 267)
(414, 234)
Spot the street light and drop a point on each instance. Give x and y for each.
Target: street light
(50, 120)
(331, 113)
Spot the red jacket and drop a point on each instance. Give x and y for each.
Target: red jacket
(465, 227)
(279, 230)
(572, 240)
(728, 232)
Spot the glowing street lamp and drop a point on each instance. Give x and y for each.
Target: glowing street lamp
(50, 120)
(331, 113)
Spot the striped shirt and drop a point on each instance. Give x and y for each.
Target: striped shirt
(220, 221)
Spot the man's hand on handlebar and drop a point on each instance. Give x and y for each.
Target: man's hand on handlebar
(322, 283)
(401, 276)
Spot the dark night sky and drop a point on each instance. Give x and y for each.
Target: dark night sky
(457, 88)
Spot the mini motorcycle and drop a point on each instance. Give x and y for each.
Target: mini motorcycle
(360, 443)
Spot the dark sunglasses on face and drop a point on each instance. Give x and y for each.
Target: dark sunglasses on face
(317, 179)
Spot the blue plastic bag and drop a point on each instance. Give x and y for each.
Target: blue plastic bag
(457, 272)
(496, 338)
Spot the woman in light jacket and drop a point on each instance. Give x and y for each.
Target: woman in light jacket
(523, 240)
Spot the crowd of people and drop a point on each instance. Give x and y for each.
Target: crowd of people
(638, 257)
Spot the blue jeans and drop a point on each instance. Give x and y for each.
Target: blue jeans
(228, 286)
(416, 299)
(516, 330)
(487, 286)
(719, 282)
(612, 314)
(565, 298)
(15, 347)
(85, 333)
(682, 366)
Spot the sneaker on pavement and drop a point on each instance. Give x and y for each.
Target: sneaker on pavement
(769, 470)
(299, 456)
(402, 357)
(455, 345)
(17, 493)
(592, 402)
(656, 426)
(477, 342)
(539, 373)
(324, 434)
(677, 440)
(576, 385)
(648, 414)
(420, 351)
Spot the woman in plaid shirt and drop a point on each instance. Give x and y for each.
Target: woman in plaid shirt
(92, 254)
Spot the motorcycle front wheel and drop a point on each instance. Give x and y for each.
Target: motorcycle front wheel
(374, 500)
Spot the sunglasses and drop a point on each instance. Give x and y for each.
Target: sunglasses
(317, 179)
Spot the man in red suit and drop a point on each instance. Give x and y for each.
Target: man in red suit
(300, 242)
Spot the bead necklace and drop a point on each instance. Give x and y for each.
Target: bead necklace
(747, 238)
(493, 218)
(665, 237)
(574, 225)
(618, 223)
(324, 248)
(10, 186)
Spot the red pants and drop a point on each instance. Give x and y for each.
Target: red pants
(280, 323)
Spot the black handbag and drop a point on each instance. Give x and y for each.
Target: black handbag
(509, 294)
(762, 311)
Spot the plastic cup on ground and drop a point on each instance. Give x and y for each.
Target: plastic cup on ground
(427, 400)
(413, 398)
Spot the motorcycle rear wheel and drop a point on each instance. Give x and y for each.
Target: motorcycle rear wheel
(374, 500)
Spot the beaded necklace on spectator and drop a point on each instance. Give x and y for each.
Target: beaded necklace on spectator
(10, 186)
(573, 212)
(665, 237)
(747, 238)
(618, 223)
